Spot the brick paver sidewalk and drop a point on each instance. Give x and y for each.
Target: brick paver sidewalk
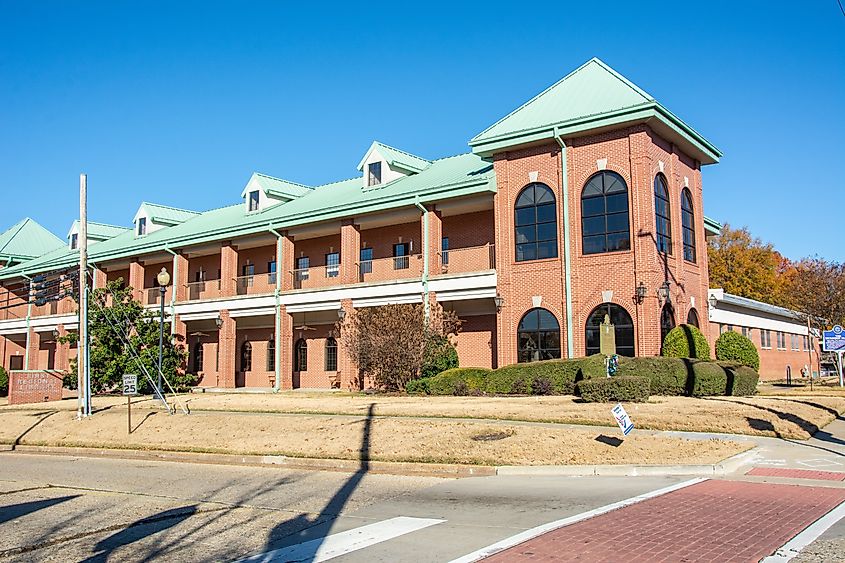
(797, 473)
(709, 521)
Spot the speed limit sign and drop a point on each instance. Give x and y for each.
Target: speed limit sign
(130, 384)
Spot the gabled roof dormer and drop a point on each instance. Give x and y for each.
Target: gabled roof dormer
(383, 164)
(152, 217)
(24, 241)
(97, 232)
(263, 191)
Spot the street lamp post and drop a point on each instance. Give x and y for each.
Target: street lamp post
(163, 279)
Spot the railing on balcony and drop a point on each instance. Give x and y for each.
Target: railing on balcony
(316, 276)
(256, 284)
(205, 289)
(468, 259)
(152, 295)
(385, 269)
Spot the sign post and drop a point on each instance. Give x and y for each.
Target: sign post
(834, 341)
(130, 389)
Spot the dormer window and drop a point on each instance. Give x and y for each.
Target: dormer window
(74, 241)
(374, 174)
(142, 226)
(253, 200)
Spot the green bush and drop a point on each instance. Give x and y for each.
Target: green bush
(417, 386)
(438, 356)
(667, 376)
(734, 347)
(590, 367)
(556, 375)
(618, 388)
(458, 381)
(708, 379)
(686, 341)
(4, 382)
(742, 380)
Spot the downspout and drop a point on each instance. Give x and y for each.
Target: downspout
(277, 360)
(28, 316)
(567, 259)
(426, 303)
(173, 291)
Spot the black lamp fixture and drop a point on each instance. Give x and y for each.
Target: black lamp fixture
(712, 299)
(663, 293)
(499, 301)
(218, 322)
(639, 297)
(55, 334)
(341, 314)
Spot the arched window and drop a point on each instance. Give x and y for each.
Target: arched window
(667, 321)
(535, 221)
(692, 318)
(271, 354)
(604, 214)
(198, 359)
(623, 327)
(688, 223)
(538, 337)
(663, 221)
(300, 355)
(331, 354)
(246, 356)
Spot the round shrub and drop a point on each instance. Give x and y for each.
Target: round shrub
(4, 382)
(463, 381)
(686, 341)
(742, 380)
(734, 347)
(667, 376)
(709, 379)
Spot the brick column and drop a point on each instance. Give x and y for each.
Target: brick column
(100, 279)
(347, 369)
(285, 263)
(178, 327)
(62, 363)
(180, 278)
(136, 280)
(228, 271)
(226, 350)
(33, 345)
(350, 251)
(285, 348)
(435, 237)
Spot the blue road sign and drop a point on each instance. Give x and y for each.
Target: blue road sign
(833, 340)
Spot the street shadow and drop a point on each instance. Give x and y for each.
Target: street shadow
(762, 425)
(141, 529)
(609, 440)
(312, 532)
(804, 424)
(16, 511)
(142, 421)
(47, 415)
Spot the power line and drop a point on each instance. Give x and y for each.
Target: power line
(841, 9)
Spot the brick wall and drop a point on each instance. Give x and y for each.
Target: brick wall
(34, 387)
(477, 341)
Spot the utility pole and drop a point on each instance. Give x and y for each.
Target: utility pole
(82, 364)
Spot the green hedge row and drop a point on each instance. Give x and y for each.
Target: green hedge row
(618, 388)
(4, 382)
(666, 376)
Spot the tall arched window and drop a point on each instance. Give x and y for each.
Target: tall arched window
(331, 354)
(271, 354)
(538, 337)
(535, 221)
(663, 221)
(667, 321)
(300, 355)
(246, 356)
(623, 327)
(688, 223)
(692, 318)
(198, 359)
(604, 214)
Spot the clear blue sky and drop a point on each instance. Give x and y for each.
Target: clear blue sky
(178, 103)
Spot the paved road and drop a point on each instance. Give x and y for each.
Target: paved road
(85, 509)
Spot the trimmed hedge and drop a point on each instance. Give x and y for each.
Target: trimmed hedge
(618, 388)
(667, 376)
(708, 378)
(456, 381)
(742, 380)
(4, 382)
(686, 341)
(734, 347)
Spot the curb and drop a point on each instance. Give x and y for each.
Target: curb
(343, 465)
(730, 465)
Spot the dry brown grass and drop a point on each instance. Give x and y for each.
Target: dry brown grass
(391, 439)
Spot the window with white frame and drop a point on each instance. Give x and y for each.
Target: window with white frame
(253, 200)
(765, 339)
(374, 174)
(142, 226)
(332, 264)
(781, 340)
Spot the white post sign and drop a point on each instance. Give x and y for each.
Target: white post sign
(622, 419)
(130, 384)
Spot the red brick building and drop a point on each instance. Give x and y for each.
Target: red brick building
(585, 201)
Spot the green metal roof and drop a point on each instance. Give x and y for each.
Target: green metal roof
(396, 158)
(27, 240)
(165, 214)
(276, 187)
(99, 231)
(712, 227)
(594, 96)
(446, 178)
